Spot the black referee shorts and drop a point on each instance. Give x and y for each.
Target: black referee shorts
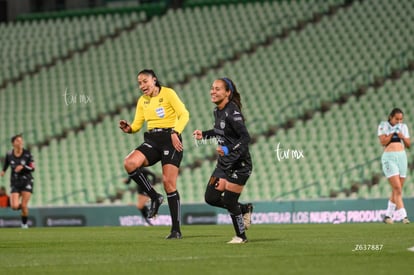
(157, 146)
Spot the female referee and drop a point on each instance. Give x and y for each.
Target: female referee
(166, 117)
(394, 136)
(22, 165)
(234, 164)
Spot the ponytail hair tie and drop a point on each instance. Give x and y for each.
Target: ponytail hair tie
(228, 82)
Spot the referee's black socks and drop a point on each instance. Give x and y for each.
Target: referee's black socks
(144, 212)
(142, 181)
(175, 210)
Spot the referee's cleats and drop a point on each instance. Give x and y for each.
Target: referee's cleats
(247, 217)
(174, 235)
(148, 221)
(406, 220)
(237, 239)
(155, 205)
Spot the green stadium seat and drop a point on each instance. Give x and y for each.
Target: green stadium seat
(277, 82)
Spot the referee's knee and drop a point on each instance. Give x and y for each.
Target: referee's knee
(130, 165)
(170, 185)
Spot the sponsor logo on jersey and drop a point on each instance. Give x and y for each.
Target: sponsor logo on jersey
(222, 124)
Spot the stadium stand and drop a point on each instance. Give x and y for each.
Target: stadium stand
(298, 64)
(29, 45)
(104, 72)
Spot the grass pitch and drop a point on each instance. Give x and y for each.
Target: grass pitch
(272, 249)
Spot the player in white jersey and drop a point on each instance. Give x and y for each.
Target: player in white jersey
(394, 136)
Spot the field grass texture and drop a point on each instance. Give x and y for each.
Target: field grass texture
(370, 248)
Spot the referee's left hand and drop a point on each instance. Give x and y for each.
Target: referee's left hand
(176, 142)
(125, 127)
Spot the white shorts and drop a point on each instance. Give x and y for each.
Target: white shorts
(394, 163)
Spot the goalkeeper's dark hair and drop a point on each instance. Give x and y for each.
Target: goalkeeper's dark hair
(235, 95)
(151, 73)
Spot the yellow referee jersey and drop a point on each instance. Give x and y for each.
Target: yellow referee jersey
(165, 110)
